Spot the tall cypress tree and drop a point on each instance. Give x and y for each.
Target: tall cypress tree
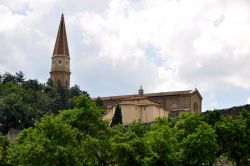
(117, 118)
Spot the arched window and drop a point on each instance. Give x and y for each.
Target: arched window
(195, 107)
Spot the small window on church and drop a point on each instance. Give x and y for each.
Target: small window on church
(67, 62)
(195, 107)
(66, 83)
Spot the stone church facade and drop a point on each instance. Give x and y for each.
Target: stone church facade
(174, 102)
(137, 108)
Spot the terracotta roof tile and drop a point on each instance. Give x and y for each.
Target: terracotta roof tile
(61, 45)
(150, 95)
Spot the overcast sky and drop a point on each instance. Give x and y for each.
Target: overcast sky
(117, 45)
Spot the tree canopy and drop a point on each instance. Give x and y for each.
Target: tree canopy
(64, 127)
(22, 101)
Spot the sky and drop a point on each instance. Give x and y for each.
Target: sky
(117, 45)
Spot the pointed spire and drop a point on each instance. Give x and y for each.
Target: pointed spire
(61, 45)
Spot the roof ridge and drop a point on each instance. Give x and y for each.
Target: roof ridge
(151, 94)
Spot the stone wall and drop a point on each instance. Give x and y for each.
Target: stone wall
(174, 102)
(138, 109)
(196, 101)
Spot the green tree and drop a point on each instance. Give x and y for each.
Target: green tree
(211, 117)
(19, 108)
(186, 125)
(63, 94)
(32, 85)
(22, 102)
(117, 118)
(59, 96)
(200, 147)
(17, 79)
(74, 137)
(99, 103)
(163, 143)
(4, 143)
(86, 117)
(7, 77)
(188, 131)
(129, 146)
(76, 91)
(138, 128)
(51, 142)
(97, 151)
(233, 137)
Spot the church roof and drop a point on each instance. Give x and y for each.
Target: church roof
(140, 98)
(61, 45)
(173, 93)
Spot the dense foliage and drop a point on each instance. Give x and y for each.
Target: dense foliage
(22, 101)
(78, 135)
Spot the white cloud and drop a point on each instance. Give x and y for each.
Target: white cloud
(248, 100)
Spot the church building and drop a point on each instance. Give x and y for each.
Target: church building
(137, 108)
(145, 107)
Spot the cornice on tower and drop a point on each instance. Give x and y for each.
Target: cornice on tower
(61, 45)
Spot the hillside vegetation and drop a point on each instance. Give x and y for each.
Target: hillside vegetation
(23, 101)
(78, 135)
(234, 110)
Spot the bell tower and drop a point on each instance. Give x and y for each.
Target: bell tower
(60, 65)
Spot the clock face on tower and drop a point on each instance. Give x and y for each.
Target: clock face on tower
(59, 61)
